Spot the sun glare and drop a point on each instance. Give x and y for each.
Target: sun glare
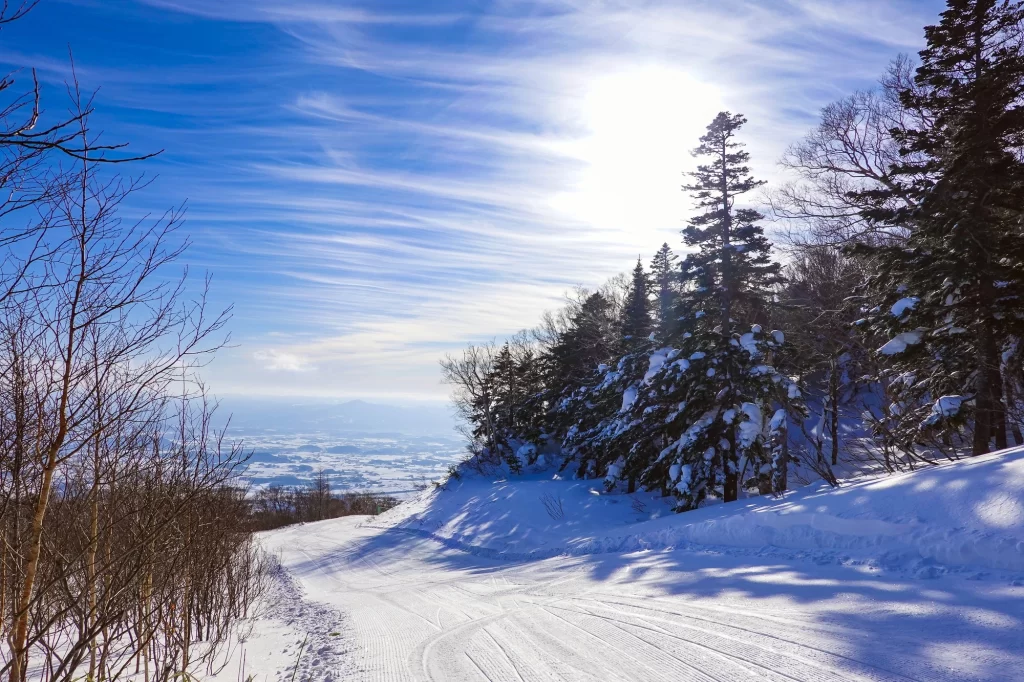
(640, 126)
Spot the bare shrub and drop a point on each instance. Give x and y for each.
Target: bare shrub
(553, 506)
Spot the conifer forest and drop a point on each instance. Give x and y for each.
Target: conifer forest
(866, 312)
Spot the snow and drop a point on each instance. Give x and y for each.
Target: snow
(628, 398)
(778, 419)
(749, 344)
(903, 305)
(750, 428)
(655, 363)
(916, 576)
(900, 343)
(948, 405)
(945, 407)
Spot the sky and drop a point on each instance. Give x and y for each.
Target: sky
(374, 184)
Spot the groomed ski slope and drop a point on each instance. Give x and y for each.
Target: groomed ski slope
(911, 577)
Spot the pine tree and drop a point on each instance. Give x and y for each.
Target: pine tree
(665, 277)
(732, 269)
(572, 362)
(636, 324)
(594, 410)
(507, 393)
(529, 409)
(949, 299)
(599, 421)
(701, 403)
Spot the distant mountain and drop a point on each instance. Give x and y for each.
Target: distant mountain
(307, 415)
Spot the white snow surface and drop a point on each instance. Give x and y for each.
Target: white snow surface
(750, 428)
(948, 405)
(903, 305)
(900, 343)
(916, 576)
(628, 398)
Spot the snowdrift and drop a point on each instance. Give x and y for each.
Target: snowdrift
(966, 516)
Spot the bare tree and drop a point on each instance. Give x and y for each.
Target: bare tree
(841, 163)
(104, 425)
(472, 397)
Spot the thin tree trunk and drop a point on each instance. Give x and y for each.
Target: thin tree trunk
(94, 531)
(1010, 409)
(19, 662)
(999, 414)
(985, 392)
(833, 396)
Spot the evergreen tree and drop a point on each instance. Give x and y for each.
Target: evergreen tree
(506, 391)
(949, 299)
(636, 324)
(599, 423)
(522, 398)
(588, 342)
(701, 403)
(731, 272)
(665, 277)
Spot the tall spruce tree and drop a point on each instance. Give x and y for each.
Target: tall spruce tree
(701, 404)
(665, 278)
(731, 272)
(949, 299)
(513, 390)
(529, 413)
(636, 321)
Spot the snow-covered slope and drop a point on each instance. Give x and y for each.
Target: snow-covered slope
(916, 577)
(966, 515)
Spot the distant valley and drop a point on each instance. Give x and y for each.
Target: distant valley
(360, 445)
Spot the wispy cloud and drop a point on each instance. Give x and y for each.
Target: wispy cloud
(376, 183)
(275, 360)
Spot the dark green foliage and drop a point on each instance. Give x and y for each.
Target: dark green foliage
(665, 281)
(963, 263)
(516, 387)
(690, 418)
(717, 379)
(683, 398)
(731, 272)
(588, 342)
(636, 322)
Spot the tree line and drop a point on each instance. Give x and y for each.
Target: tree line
(275, 506)
(883, 325)
(125, 543)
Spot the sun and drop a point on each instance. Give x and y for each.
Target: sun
(638, 127)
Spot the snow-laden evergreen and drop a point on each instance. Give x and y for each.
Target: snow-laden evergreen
(948, 299)
(901, 300)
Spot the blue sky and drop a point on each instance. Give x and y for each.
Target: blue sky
(373, 184)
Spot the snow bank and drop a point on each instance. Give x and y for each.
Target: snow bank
(966, 514)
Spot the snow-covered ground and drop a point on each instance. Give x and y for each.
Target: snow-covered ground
(379, 463)
(911, 577)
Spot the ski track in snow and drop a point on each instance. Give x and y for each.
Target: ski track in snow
(313, 648)
(409, 607)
